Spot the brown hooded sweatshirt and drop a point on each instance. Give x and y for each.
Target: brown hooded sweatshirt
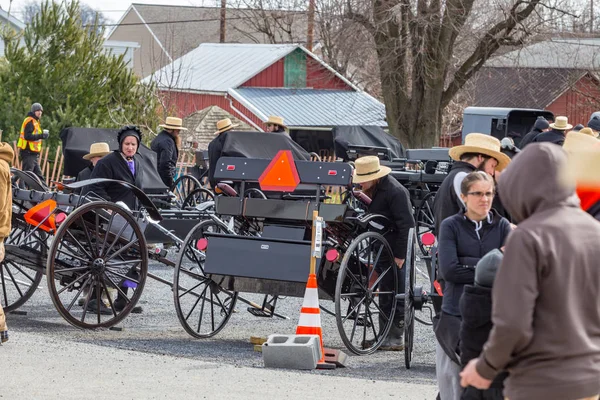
(6, 157)
(545, 313)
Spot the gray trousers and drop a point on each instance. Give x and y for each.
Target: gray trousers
(446, 372)
(30, 162)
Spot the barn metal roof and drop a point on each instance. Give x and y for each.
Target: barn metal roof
(555, 53)
(313, 107)
(216, 67)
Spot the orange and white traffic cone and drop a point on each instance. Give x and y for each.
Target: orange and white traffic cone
(310, 317)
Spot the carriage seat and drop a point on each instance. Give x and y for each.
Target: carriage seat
(228, 190)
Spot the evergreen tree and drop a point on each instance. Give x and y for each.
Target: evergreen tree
(62, 65)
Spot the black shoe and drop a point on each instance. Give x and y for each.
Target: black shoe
(93, 308)
(120, 305)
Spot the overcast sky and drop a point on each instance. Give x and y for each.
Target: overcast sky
(112, 9)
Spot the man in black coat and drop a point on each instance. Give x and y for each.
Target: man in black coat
(97, 151)
(165, 147)
(541, 124)
(557, 132)
(480, 152)
(215, 148)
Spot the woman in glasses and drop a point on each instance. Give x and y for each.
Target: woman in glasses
(463, 240)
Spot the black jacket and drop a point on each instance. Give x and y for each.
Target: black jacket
(85, 173)
(461, 246)
(552, 136)
(476, 324)
(392, 200)
(447, 202)
(531, 135)
(215, 148)
(114, 166)
(165, 147)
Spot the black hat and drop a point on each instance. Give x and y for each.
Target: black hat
(541, 123)
(129, 130)
(578, 127)
(594, 123)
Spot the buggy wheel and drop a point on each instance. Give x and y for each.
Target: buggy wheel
(409, 296)
(425, 222)
(203, 306)
(197, 197)
(183, 187)
(17, 281)
(98, 252)
(362, 322)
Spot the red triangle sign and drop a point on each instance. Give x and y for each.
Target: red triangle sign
(281, 174)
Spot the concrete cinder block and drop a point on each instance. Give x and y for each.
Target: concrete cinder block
(292, 351)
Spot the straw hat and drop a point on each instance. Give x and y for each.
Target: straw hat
(99, 149)
(173, 123)
(589, 131)
(368, 169)
(582, 168)
(561, 124)
(482, 144)
(576, 141)
(224, 125)
(274, 120)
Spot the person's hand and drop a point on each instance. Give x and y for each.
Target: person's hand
(470, 377)
(399, 262)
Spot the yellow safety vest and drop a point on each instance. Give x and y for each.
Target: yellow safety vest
(35, 145)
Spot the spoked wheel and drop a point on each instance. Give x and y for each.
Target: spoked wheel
(17, 282)
(197, 197)
(425, 223)
(182, 187)
(98, 254)
(409, 299)
(203, 306)
(362, 293)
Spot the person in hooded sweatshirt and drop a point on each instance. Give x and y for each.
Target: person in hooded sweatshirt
(541, 124)
(476, 311)
(544, 301)
(464, 239)
(6, 157)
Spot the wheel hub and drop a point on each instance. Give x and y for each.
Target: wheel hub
(98, 266)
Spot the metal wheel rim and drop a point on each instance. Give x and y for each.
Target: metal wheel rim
(108, 278)
(183, 186)
(197, 197)
(342, 315)
(224, 305)
(409, 292)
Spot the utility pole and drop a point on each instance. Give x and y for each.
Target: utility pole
(311, 25)
(222, 25)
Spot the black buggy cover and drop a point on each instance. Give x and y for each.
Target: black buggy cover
(76, 143)
(266, 145)
(368, 136)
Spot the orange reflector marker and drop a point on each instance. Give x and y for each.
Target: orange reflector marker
(281, 174)
(39, 213)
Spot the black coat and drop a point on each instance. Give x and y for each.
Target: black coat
(530, 137)
(447, 202)
(215, 148)
(552, 136)
(392, 200)
(114, 166)
(85, 173)
(165, 147)
(475, 327)
(461, 246)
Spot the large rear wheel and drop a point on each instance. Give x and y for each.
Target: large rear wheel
(203, 306)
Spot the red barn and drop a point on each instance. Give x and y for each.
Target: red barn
(254, 81)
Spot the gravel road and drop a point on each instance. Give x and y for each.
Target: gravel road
(155, 338)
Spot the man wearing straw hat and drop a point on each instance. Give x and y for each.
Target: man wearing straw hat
(97, 151)
(480, 152)
(275, 125)
(557, 132)
(215, 147)
(165, 147)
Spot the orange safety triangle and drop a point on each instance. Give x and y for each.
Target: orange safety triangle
(281, 174)
(41, 211)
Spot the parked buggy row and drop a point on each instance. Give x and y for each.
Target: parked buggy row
(95, 250)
